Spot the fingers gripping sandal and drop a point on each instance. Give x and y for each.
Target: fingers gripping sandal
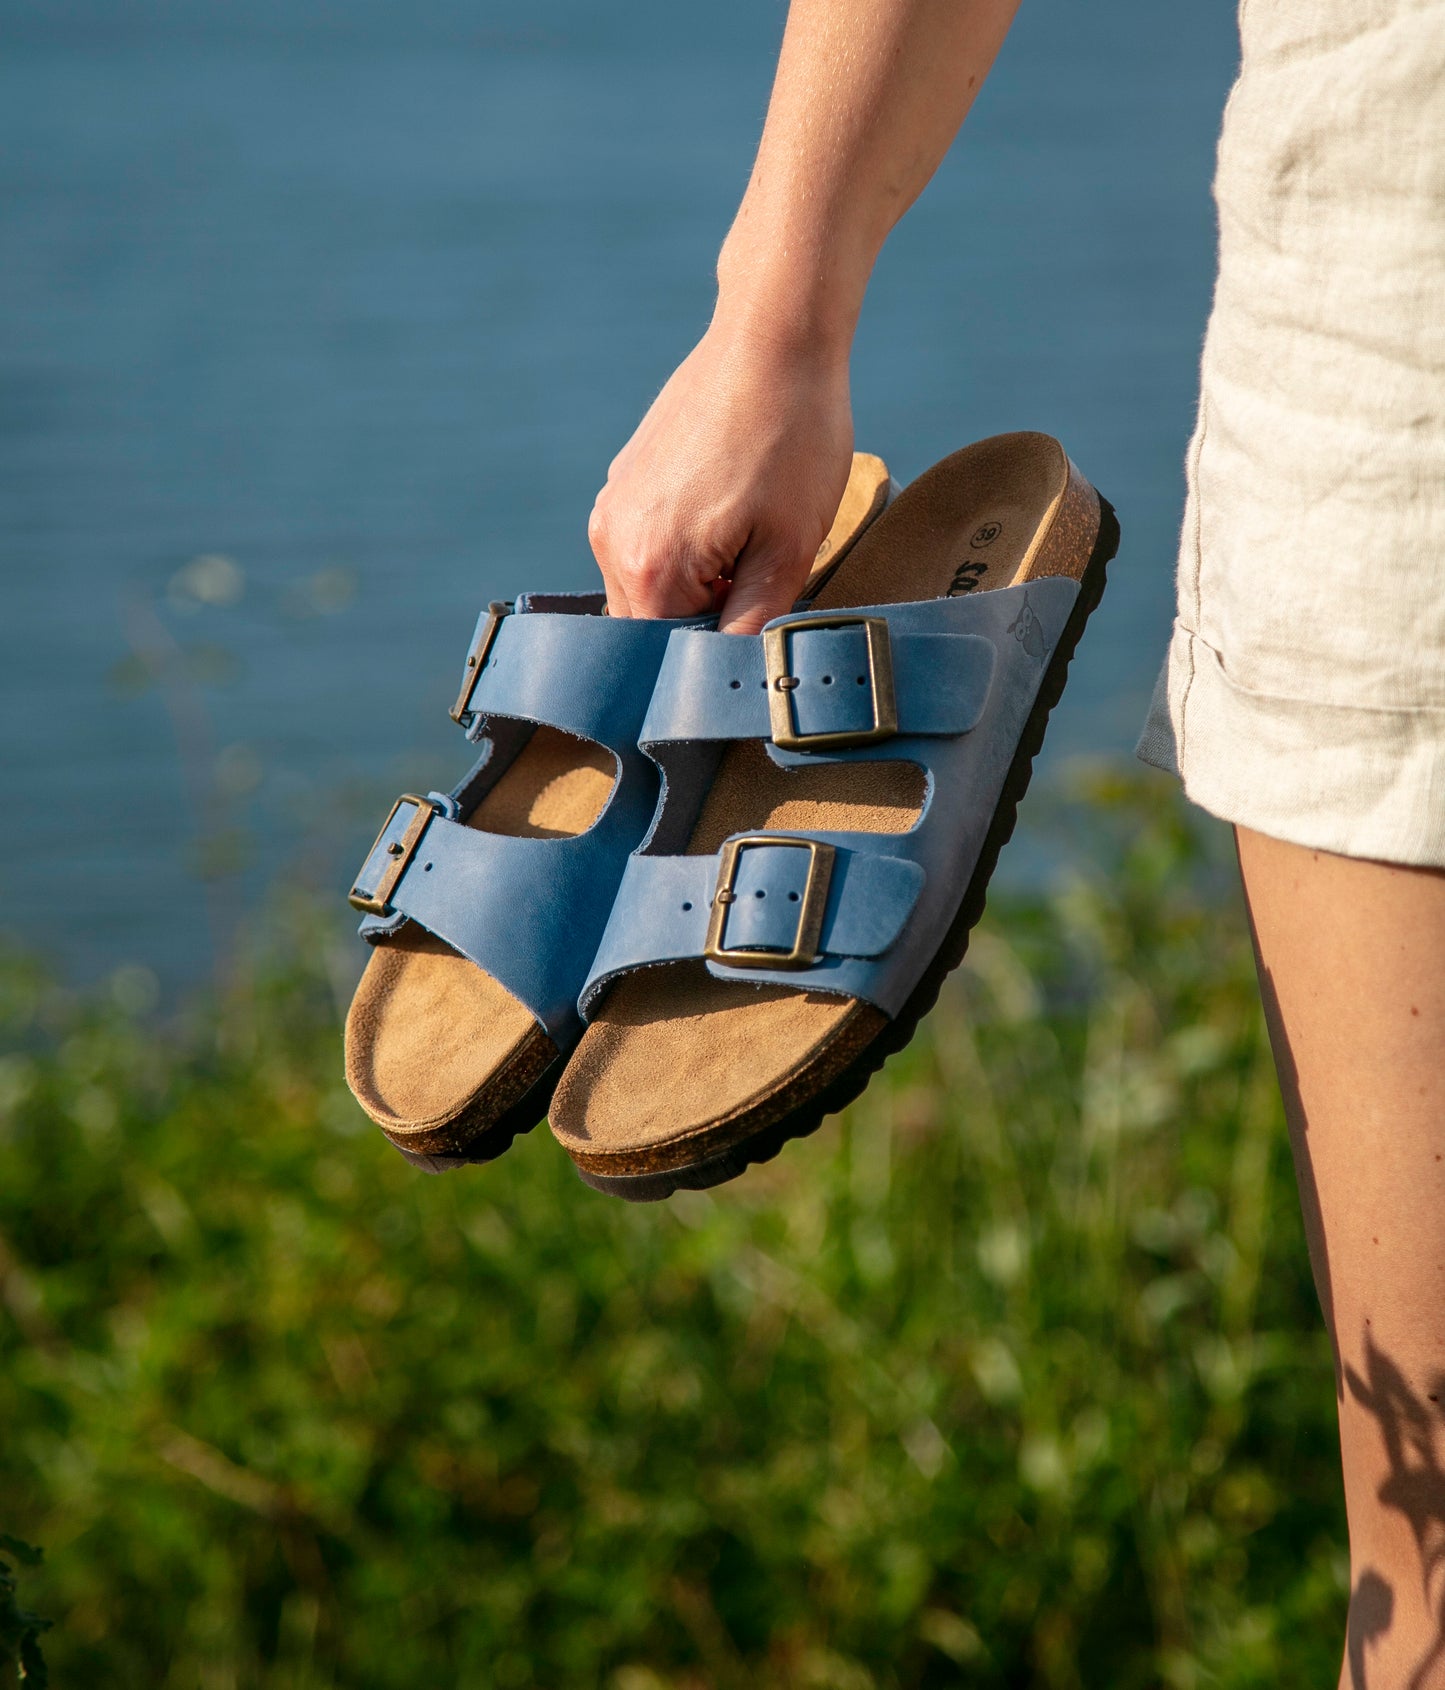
(835, 793)
(485, 905)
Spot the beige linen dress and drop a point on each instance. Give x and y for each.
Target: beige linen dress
(1304, 691)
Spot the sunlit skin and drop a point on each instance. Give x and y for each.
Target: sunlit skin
(1352, 967)
(725, 491)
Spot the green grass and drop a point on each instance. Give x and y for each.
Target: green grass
(1011, 1376)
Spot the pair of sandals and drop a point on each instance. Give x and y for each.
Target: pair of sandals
(698, 886)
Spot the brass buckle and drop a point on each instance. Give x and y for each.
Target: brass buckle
(477, 657)
(804, 952)
(780, 683)
(401, 852)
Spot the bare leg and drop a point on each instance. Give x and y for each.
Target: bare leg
(1352, 969)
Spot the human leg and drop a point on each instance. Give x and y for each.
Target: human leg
(1352, 970)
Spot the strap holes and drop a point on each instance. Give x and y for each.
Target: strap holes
(687, 904)
(426, 868)
(862, 680)
(760, 893)
(735, 685)
(827, 680)
(792, 897)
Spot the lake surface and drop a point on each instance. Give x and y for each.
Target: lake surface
(353, 303)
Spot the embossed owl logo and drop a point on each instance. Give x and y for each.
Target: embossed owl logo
(1029, 631)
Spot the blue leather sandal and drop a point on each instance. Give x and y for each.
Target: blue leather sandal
(485, 905)
(479, 901)
(835, 795)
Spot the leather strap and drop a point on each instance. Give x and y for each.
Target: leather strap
(586, 674)
(664, 905)
(715, 686)
(528, 911)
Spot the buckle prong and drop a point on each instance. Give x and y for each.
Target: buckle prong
(805, 947)
(785, 732)
(401, 851)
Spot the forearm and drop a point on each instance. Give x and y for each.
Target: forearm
(731, 479)
(868, 97)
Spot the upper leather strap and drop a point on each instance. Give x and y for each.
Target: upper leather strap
(528, 911)
(589, 675)
(665, 904)
(716, 686)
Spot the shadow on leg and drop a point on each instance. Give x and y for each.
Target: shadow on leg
(1372, 1603)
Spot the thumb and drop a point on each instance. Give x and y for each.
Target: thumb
(766, 582)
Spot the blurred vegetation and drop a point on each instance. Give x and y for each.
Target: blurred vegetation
(1011, 1376)
(20, 1629)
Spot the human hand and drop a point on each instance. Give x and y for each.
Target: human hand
(725, 491)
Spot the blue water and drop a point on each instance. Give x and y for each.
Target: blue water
(362, 297)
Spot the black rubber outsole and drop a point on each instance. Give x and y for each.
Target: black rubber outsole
(764, 1144)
